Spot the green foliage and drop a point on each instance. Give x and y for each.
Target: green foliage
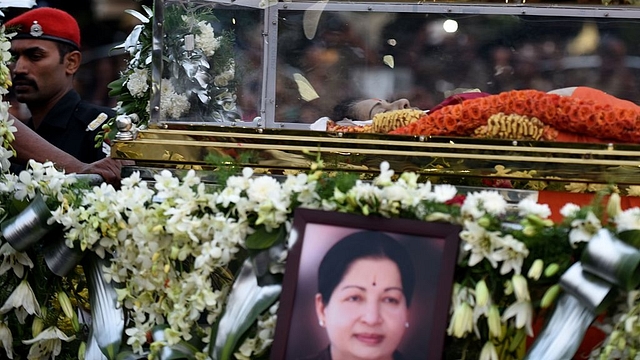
(342, 181)
(262, 239)
(227, 165)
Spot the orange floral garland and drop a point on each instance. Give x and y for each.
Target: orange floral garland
(584, 117)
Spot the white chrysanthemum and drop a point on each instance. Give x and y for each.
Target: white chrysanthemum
(138, 83)
(443, 193)
(172, 105)
(569, 210)
(263, 189)
(628, 220)
(478, 204)
(206, 40)
(529, 206)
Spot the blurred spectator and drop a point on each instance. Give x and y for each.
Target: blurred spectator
(327, 62)
(528, 69)
(503, 71)
(613, 76)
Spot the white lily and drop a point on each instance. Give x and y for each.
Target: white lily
(6, 339)
(461, 321)
(523, 313)
(15, 260)
(47, 343)
(488, 352)
(583, 230)
(23, 300)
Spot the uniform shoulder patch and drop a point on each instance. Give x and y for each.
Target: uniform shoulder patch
(97, 122)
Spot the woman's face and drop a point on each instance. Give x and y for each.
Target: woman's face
(366, 109)
(366, 315)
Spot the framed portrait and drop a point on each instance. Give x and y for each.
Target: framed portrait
(365, 286)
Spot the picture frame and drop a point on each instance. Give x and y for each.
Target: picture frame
(432, 248)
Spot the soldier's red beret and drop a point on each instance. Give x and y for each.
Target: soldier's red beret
(46, 23)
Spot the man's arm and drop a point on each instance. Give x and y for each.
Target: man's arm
(29, 145)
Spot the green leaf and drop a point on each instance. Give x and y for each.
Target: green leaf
(246, 301)
(127, 355)
(262, 239)
(129, 108)
(116, 86)
(631, 237)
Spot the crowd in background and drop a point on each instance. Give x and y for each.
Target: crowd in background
(348, 57)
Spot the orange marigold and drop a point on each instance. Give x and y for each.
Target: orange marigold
(450, 122)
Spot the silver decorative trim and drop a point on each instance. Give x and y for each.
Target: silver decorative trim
(107, 315)
(27, 228)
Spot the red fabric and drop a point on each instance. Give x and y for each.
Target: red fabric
(457, 99)
(56, 24)
(564, 136)
(601, 97)
(556, 200)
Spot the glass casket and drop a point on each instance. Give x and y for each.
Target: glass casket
(261, 83)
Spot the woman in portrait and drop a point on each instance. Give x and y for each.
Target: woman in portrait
(365, 286)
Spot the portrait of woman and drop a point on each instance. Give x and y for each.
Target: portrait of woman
(359, 287)
(365, 286)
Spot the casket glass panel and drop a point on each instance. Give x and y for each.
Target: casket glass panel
(296, 67)
(426, 53)
(212, 62)
(295, 60)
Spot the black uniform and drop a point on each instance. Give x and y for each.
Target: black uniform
(65, 126)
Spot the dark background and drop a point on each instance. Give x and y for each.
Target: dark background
(103, 25)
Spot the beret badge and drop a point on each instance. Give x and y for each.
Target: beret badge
(36, 30)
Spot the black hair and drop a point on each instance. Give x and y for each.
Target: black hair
(363, 245)
(64, 49)
(344, 109)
